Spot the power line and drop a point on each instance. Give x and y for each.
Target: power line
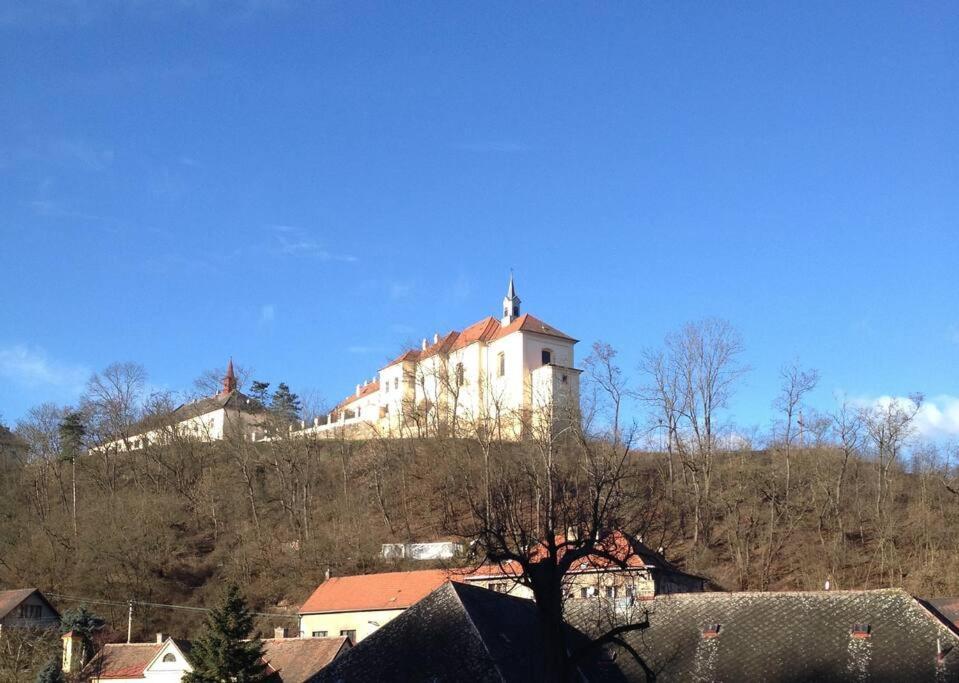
(98, 601)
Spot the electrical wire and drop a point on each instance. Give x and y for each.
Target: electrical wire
(99, 601)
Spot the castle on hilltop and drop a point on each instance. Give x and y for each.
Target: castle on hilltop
(507, 378)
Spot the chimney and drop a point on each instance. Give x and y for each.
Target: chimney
(327, 573)
(72, 652)
(711, 631)
(316, 422)
(357, 389)
(279, 633)
(436, 337)
(159, 638)
(424, 343)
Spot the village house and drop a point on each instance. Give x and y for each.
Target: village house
(506, 376)
(26, 608)
(358, 605)
(639, 573)
(461, 632)
(167, 660)
(228, 414)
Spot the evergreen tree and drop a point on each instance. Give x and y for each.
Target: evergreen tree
(222, 652)
(258, 393)
(286, 404)
(72, 432)
(84, 624)
(52, 672)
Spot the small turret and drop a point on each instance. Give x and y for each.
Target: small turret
(72, 652)
(511, 303)
(229, 380)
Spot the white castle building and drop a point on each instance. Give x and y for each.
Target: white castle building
(506, 378)
(228, 414)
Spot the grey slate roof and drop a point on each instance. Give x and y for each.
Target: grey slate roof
(793, 637)
(457, 633)
(234, 400)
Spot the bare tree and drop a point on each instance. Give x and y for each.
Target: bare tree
(602, 371)
(550, 505)
(692, 379)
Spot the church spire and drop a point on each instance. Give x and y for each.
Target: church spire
(511, 303)
(229, 380)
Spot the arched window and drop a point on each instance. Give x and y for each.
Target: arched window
(169, 657)
(547, 356)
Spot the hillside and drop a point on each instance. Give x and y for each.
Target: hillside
(171, 525)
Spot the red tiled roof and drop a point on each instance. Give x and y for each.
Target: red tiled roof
(296, 660)
(390, 590)
(123, 660)
(364, 391)
(488, 329)
(616, 544)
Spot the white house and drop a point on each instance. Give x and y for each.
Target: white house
(227, 414)
(503, 377)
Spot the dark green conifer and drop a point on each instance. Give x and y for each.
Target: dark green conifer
(223, 652)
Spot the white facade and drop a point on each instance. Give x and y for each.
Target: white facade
(506, 377)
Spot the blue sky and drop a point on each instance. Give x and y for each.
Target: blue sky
(307, 186)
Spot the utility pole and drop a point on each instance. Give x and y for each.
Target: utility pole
(129, 619)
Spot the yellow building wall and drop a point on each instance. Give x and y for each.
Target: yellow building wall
(363, 622)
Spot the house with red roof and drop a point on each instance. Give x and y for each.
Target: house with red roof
(503, 376)
(356, 606)
(287, 660)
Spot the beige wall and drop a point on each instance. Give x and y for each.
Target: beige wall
(334, 622)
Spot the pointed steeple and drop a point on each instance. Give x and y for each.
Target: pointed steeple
(511, 303)
(229, 380)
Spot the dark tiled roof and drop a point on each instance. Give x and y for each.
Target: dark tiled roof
(235, 399)
(299, 660)
(793, 637)
(947, 607)
(457, 633)
(9, 600)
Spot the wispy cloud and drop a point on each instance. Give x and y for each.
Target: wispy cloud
(31, 367)
(952, 332)
(493, 147)
(290, 240)
(400, 290)
(363, 350)
(267, 313)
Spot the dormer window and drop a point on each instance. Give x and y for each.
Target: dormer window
(547, 356)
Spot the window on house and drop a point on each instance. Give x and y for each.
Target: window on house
(386, 388)
(498, 586)
(611, 591)
(547, 356)
(169, 657)
(460, 375)
(319, 634)
(30, 611)
(500, 364)
(584, 592)
(396, 382)
(349, 633)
